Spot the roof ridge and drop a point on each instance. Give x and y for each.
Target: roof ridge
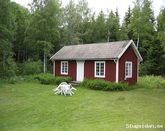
(97, 43)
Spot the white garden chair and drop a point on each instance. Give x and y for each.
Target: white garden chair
(65, 89)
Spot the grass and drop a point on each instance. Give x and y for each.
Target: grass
(151, 82)
(33, 107)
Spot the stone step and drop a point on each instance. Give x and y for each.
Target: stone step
(75, 83)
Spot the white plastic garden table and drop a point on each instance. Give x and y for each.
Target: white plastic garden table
(65, 89)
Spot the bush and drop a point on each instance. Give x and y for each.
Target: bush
(121, 86)
(62, 79)
(95, 84)
(50, 79)
(98, 84)
(151, 82)
(9, 70)
(15, 79)
(30, 68)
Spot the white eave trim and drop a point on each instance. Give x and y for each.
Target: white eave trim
(134, 48)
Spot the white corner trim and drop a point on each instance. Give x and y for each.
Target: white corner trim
(62, 73)
(117, 70)
(137, 52)
(138, 63)
(134, 48)
(97, 76)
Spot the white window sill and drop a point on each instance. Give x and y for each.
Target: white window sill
(99, 76)
(128, 77)
(64, 73)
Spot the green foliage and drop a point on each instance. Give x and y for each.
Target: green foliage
(142, 24)
(30, 67)
(9, 70)
(100, 31)
(7, 30)
(76, 21)
(113, 26)
(98, 84)
(15, 79)
(161, 27)
(21, 19)
(60, 79)
(46, 78)
(42, 33)
(151, 82)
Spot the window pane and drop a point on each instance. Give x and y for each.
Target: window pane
(100, 69)
(102, 73)
(128, 69)
(64, 67)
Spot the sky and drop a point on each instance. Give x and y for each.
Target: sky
(105, 5)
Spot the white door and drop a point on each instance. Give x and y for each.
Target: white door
(80, 70)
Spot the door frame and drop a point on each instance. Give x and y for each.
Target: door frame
(80, 70)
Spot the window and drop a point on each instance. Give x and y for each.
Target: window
(99, 68)
(64, 67)
(128, 69)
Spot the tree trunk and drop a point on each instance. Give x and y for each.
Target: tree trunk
(4, 57)
(45, 65)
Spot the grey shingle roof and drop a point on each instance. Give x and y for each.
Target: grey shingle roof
(109, 50)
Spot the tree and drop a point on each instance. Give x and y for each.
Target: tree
(100, 31)
(7, 28)
(43, 28)
(76, 23)
(161, 27)
(71, 23)
(113, 26)
(21, 16)
(161, 37)
(47, 47)
(85, 28)
(124, 32)
(142, 25)
(135, 25)
(126, 22)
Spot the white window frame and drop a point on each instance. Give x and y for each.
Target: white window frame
(99, 76)
(64, 73)
(129, 75)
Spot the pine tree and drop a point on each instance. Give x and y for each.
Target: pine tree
(113, 26)
(161, 27)
(100, 28)
(126, 22)
(142, 26)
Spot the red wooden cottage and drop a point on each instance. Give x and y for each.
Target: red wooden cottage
(112, 61)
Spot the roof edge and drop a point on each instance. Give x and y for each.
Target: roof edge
(88, 59)
(134, 48)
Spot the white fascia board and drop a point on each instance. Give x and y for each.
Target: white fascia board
(134, 48)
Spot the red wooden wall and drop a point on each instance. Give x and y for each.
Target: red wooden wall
(129, 55)
(110, 69)
(71, 69)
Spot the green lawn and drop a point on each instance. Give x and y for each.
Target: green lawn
(34, 107)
